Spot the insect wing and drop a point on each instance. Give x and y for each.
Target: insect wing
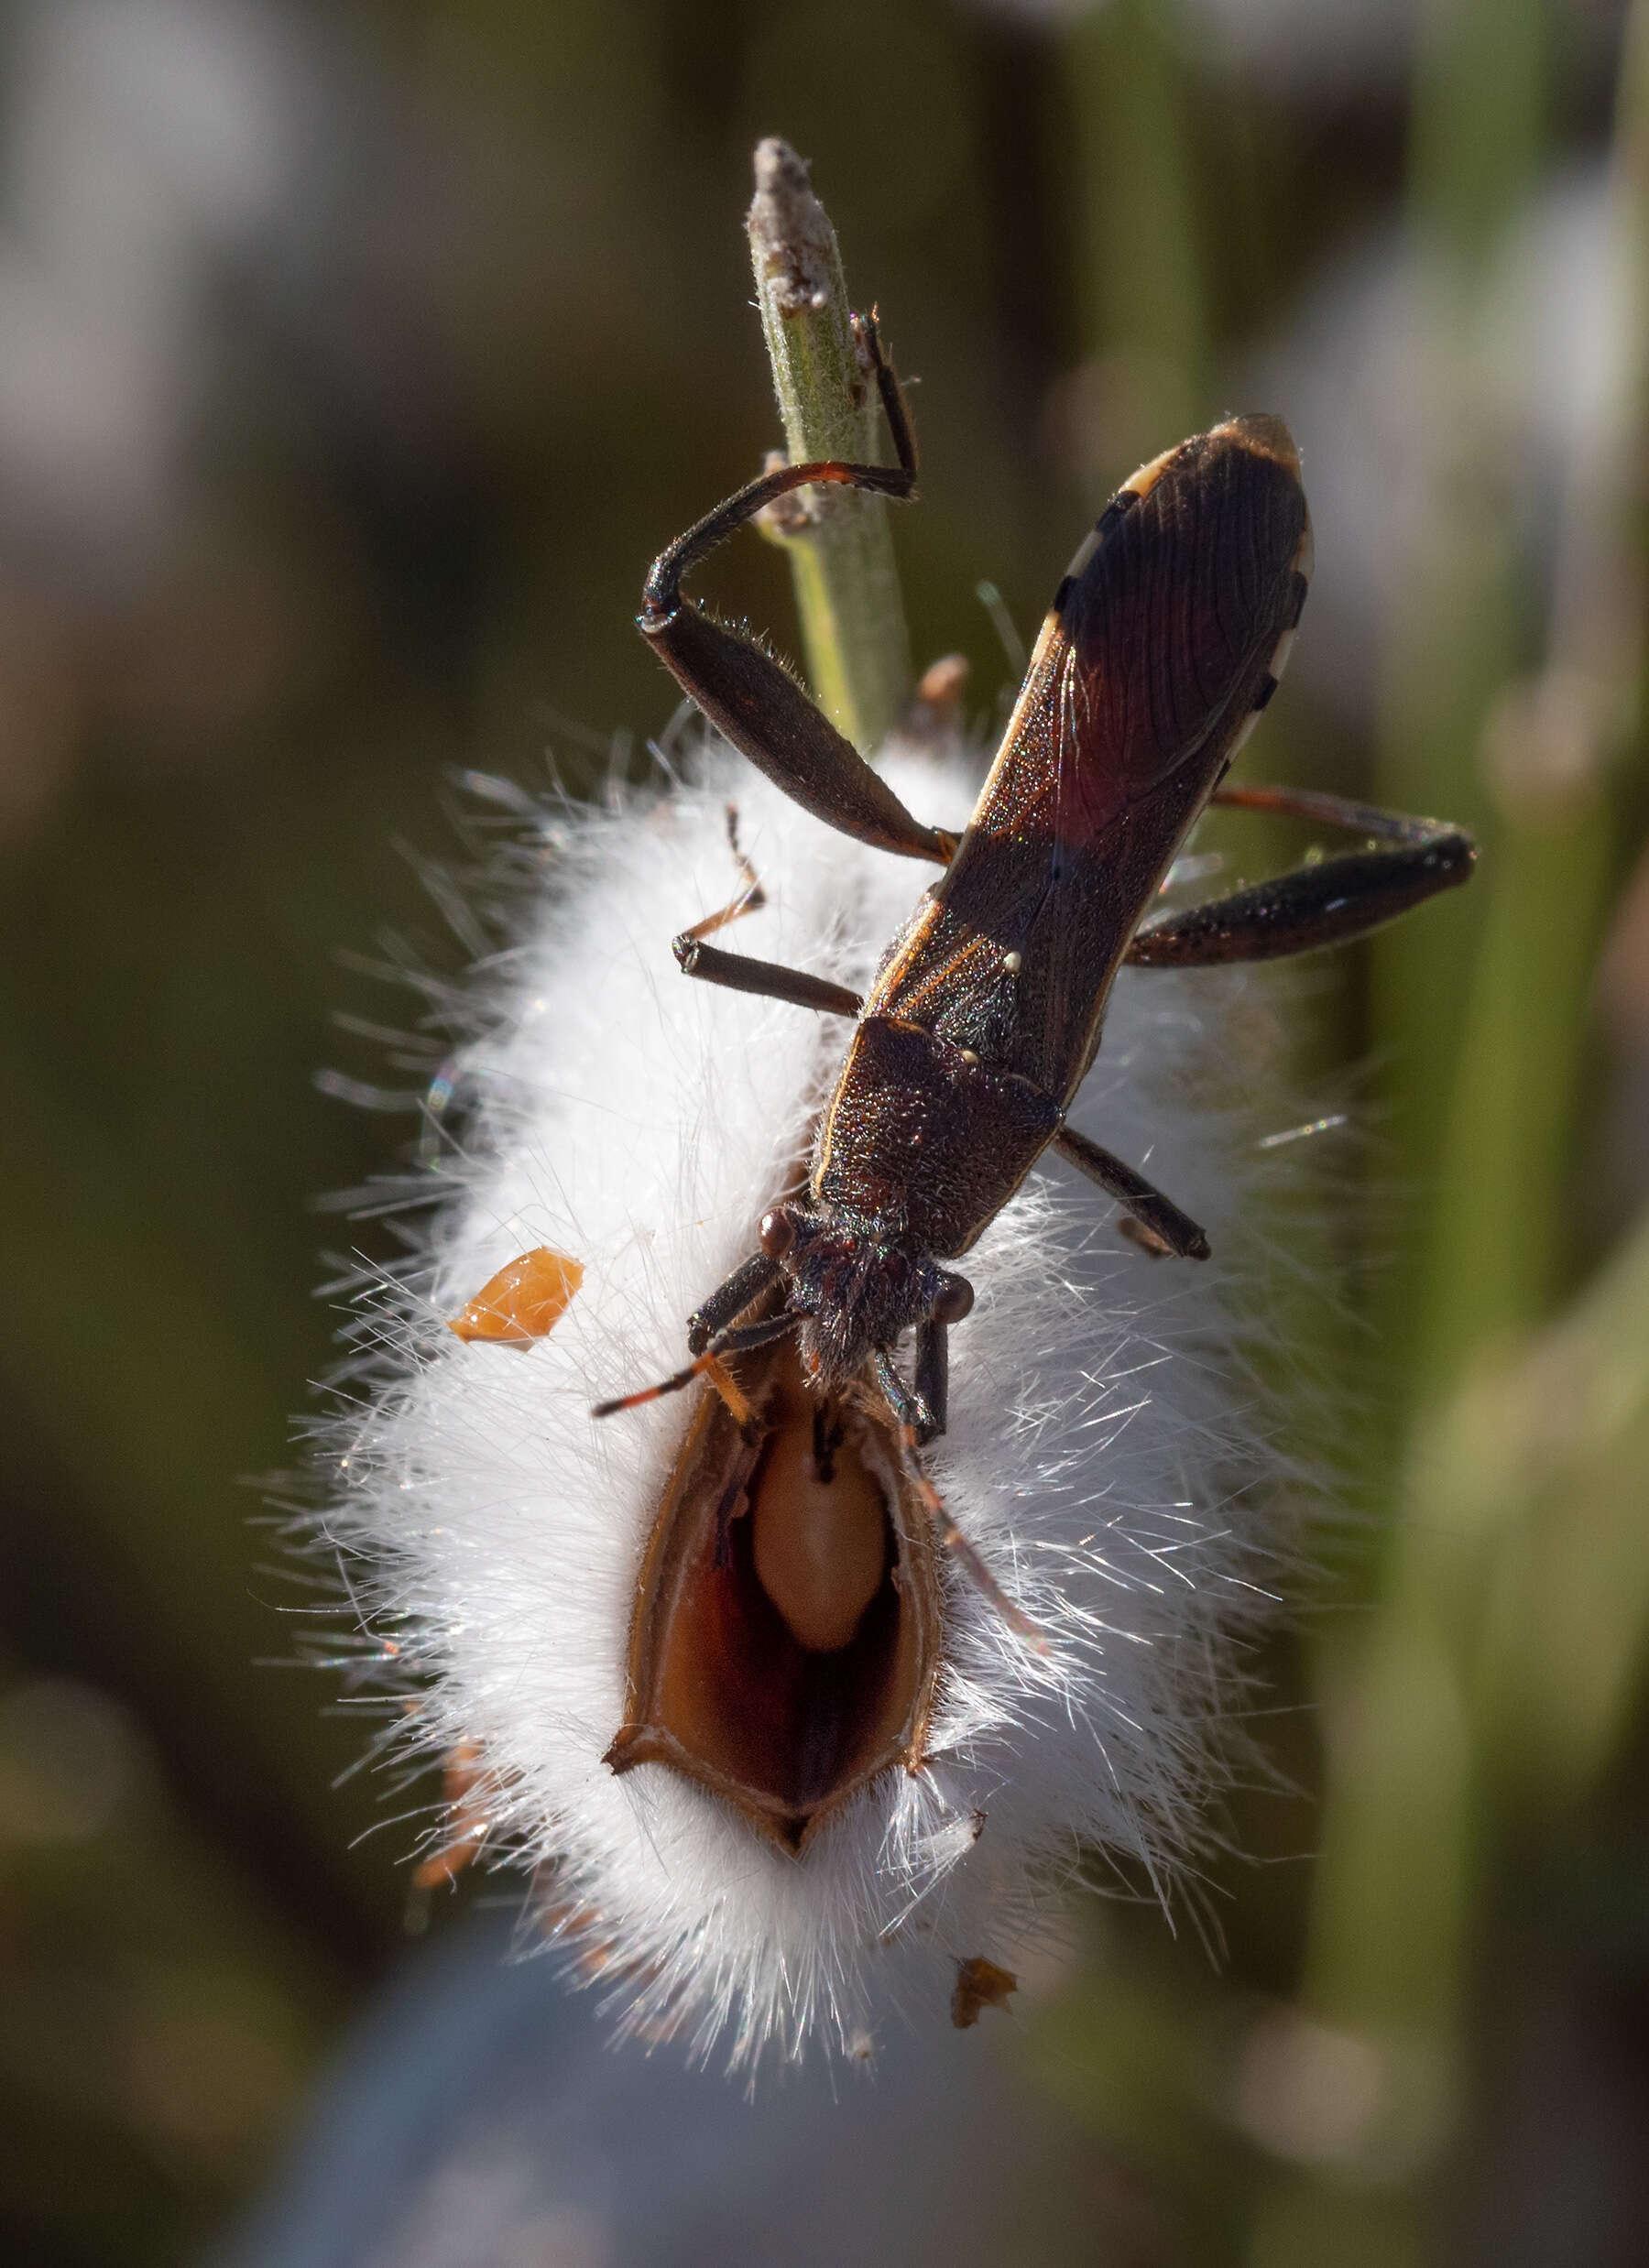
(1162, 644)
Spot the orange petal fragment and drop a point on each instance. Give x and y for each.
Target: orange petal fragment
(526, 1297)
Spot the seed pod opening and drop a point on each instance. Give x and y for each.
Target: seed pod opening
(785, 1639)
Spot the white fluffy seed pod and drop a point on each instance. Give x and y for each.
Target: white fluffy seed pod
(1108, 1450)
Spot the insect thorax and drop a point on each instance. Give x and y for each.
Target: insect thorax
(923, 1142)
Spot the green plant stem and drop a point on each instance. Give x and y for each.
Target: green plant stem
(1143, 294)
(1456, 639)
(1512, 1596)
(852, 626)
(1554, 754)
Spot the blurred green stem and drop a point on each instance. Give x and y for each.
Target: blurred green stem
(1144, 300)
(852, 626)
(1487, 1594)
(1480, 110)
(150, 1446)
(1454, 640)
(1498, 1680)
(1553, 756)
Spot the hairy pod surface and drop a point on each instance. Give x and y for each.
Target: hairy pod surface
(745, 1857)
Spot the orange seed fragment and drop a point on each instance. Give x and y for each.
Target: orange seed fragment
(526, 1297)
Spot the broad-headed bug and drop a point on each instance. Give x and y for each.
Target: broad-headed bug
(1165, 640)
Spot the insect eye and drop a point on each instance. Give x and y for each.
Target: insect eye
(954, 1301)
(778, 1234)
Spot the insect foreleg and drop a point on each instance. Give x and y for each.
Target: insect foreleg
(1315, 905)
(1159, 1214)
(745, 694)
(748, 1280)
(740, 1340)
(953, 1540)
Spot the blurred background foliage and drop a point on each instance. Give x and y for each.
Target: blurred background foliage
(354, 362)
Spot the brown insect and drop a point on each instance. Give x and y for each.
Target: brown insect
(1166, 641)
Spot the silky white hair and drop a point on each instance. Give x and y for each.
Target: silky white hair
(1111, 1452)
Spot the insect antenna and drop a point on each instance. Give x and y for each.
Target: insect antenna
(953, 1539)
(738, 1340)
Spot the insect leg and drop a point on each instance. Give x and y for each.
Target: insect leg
(910, 1407)
(745, 694)
(751, 899)
(729, 1299)
(741, 972)
(933, 1374)
(738, 1341)
(1159, 1214)
(1146, 1239)
(955, 1541)
(1315, 905)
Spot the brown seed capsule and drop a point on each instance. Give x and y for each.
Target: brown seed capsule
(526, 1297)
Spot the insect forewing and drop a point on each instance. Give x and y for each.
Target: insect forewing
(1162, 644)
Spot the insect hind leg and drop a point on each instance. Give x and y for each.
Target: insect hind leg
(662, 594)
(1315, 905)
